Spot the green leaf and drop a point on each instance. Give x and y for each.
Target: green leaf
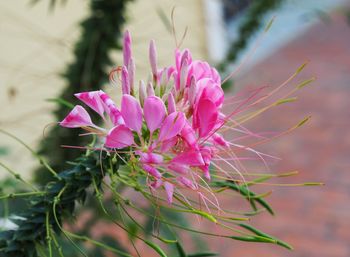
(262, 234)
(156, 248)
(61, 101)
(180, 250)
(202, 254)
(244, 191)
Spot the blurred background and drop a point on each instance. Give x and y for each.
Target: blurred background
(50, 49)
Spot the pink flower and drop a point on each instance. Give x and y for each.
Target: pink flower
(170, 128)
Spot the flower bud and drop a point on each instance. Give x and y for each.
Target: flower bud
(171, 104)
(131, 70)
(192, 91)
(153, 58)
(150, 89)
(142, 92)
(127, 48)
(183, 74)
(125, 81)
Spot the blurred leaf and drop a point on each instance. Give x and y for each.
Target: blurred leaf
(250, 196)
(202, 254)
(156, 248)
(262, 234)
(4, 150)
(61, 102)
(180, 250)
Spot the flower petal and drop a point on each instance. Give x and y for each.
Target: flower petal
(192, 158)
(172, 126)
(169, 189)
(154, 112)
(78, 117)
(119, 137)
(189, 135)
(206, 116)
(179, 168)
(93, 100)
(111, 109)
(150, 158)
(131, 112)
(152, 171)
(186, 182)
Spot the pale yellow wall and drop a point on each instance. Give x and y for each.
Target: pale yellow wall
(35, 46)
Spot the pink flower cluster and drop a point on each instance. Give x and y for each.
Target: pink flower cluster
(171, 129)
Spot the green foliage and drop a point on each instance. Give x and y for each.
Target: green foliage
(100, 34)
(43, 219)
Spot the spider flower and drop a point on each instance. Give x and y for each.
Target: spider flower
(170, 129)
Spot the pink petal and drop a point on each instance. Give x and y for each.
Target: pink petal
(156, 184)
(189, 135)
(168, 144)
(206, 171)
(186, 182)
(111, 109)
(206, 116)
(78, 117)
(172, 126)
(179, 168)
(215, 93)
(169, 189)
(152, 171)
(93, 100)
(132, 113)
(219, 140)
(119, 137)
(154, 112)
(151, 158)
(192, 158)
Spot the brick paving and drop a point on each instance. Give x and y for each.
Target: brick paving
(315, 220)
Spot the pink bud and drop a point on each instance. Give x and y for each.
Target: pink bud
(219, 140)
(152, 171)
(192, 92)
(131, 70)
(169, 189)
(127, 48)
(171, 103)
(125, 81)
(183, 74)
(142, 92)
(150, 89)
(179, 168)
(186, 182)
(153, 57)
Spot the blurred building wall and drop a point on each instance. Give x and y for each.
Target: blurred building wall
(36, 46)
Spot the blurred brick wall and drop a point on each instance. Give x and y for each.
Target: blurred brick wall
(315, 220)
